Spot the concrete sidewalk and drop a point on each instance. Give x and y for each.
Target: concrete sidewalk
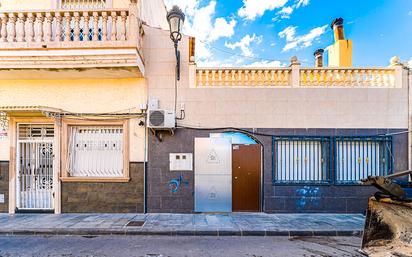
(233, 224)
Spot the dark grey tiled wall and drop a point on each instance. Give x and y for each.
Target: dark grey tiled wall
(301, 198)
(126, 197)
(4, 185)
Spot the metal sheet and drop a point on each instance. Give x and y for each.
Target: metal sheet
(213, 175)
(213, 193)
(213, 156)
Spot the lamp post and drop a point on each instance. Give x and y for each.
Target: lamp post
(176, 18)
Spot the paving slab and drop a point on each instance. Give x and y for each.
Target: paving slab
(228, 224)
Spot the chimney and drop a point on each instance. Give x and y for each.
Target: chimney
(192, 47)
(318, 58)
(340, 53)
(337, 26)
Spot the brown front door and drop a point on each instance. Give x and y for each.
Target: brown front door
(246, 169)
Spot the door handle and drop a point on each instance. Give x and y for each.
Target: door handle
(235, 177)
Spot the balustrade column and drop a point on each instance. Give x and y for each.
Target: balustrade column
(3, 32)
(67, 26)
(95, 26)
(207, 78)
(272, 77)
(104, 26)
(219, 72)
(58, 36)
(329, 78)
(86, 26)
(322, 78)
(38, 27)
(253, 78)
(246, 76)
(233, 77)
(20, 30)
(266, 83)
(363, 80)
(309, 78)
(316, 80)
(287, 78)
(48, 29)
(212, 78)
(279, 77)
(226, 77)
(76, 26)
(30, 28)
(199, 78)
(342, 78)
(114, 26)
(122, 35)
(11, 28)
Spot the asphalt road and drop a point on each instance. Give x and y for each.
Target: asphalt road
(163, 246)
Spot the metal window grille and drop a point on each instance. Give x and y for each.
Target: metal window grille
(301, 160)
(96, 151)
(34, 165)
(358, 158)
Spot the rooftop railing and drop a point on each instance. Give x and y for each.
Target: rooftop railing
(294, 76)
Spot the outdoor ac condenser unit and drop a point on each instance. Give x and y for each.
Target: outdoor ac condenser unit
(161, 119)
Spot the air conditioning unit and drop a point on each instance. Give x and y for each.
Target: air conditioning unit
(161, 119)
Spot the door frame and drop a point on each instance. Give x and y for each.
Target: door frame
(12, 163)
(262, 164)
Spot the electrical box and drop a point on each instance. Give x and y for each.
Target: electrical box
(181, 161)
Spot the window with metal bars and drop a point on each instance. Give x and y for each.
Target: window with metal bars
(301, 159)
(358, 158)
(96, 151)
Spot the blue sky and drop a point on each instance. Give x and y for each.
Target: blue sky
(269, 32)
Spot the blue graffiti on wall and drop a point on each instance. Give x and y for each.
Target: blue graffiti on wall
(174, 184)
(309, 197)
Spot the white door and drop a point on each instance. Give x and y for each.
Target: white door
(34, 167)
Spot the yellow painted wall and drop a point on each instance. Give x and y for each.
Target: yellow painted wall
(25, 4)
(340, 54)
(80, 95)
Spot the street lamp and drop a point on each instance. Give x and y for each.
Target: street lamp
(176, 18)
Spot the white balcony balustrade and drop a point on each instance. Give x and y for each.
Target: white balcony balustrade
(72, 39)
(345, 77)
(308, 77)
(65, 26)
(242, 77)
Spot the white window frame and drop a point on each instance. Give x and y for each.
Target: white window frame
(69, 175)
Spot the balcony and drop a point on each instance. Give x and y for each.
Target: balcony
(103, 43)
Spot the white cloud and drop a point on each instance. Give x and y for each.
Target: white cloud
(266, 64)
(244, 44)
(201, 23)
(256, 8)
(410, 13)
(301, 3)
(222, 28)
(410, 63)
(297, 42)
(285, 12)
